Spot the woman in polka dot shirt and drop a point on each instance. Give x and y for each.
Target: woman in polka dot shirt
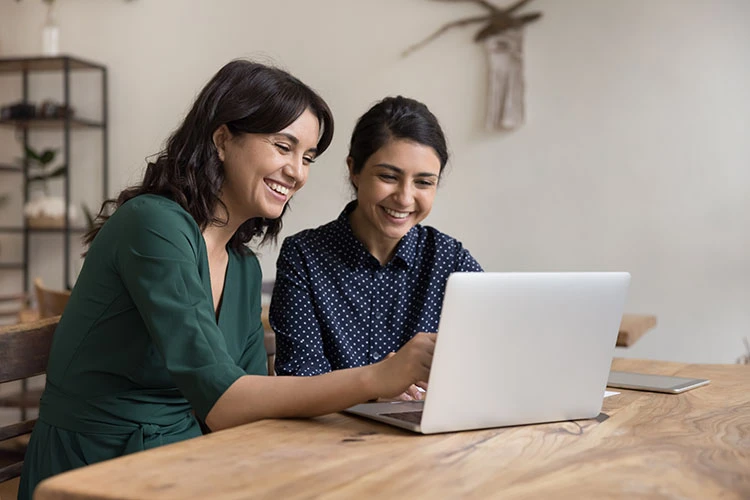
(352, 291)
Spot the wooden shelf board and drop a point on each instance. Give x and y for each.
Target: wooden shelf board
(51, 123)
(36, 64)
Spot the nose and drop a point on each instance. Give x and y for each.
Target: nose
(296, 169)
(404, 194)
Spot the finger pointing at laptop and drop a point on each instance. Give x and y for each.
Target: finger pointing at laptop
(415, 392)
(411, 362)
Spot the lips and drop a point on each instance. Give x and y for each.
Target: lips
(278, 188)
(396, 214)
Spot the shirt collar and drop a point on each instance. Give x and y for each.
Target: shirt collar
(406, 249)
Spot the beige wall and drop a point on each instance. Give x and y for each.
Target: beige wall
(635, 155)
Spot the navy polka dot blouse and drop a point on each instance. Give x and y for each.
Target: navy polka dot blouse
(334, 306)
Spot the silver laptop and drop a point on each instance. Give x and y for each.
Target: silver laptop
(516, 348)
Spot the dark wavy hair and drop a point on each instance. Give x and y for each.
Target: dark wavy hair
(247, 97)
(396, 118)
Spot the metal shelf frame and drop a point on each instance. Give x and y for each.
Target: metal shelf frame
(64, 64)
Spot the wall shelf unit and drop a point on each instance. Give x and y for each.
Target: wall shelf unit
(28, 68)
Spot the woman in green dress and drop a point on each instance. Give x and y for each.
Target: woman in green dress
(163, 330)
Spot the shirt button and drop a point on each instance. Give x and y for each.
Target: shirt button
(376, 356)
(378, 315)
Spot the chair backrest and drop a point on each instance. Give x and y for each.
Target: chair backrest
(24, 352)
(51, 302)
(12, 306)
(269, 340)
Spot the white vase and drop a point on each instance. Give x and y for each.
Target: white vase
(50, 32)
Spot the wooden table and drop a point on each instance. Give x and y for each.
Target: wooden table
(692, 445)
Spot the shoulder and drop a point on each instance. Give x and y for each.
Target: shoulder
(313, 238)
(151, 219)
(154, 210)
(313, 248)
(439, 247)
(429, 236)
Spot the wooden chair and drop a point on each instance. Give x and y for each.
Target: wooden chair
(269, 337)
(633, 327)
(24, 351)
(50, 302)
(269, 340)
(15, 307)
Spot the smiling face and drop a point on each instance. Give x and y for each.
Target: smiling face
(263, 171)
(395, 191)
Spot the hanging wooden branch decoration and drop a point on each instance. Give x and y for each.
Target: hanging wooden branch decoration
(502, 37)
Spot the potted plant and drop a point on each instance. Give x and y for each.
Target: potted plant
(43, 210)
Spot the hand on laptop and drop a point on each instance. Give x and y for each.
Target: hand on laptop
(402, 372)
(415, 392)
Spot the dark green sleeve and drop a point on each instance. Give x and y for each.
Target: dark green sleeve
(157, 259)
(254, 358)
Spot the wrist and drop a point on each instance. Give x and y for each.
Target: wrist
(369, 381)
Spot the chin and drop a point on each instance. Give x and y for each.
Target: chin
(395, 235)
(271, 212)
(271, 216)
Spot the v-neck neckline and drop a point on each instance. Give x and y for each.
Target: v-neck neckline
(222, 302)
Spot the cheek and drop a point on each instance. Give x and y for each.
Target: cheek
(379, 191)
(302, 181)
(425, 200)
(367, 192)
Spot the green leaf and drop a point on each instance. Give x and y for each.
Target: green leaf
(47, 156)
(44, 158)
(58, 172)
(32, 155)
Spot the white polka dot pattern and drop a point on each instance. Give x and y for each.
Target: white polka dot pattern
(334, 306)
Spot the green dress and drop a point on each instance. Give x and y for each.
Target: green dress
(139, 352)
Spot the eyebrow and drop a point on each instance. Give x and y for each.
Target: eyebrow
(295, 141)
(400, 171)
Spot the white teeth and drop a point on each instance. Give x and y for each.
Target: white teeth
(278, 188)
(398, 215)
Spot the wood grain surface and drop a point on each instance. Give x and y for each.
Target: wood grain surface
(691, 445)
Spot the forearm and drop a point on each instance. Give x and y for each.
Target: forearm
(252, 397)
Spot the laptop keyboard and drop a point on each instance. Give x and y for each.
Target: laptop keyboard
(414, 417)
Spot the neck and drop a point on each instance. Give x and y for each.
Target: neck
(217, 236)
(380, 248)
